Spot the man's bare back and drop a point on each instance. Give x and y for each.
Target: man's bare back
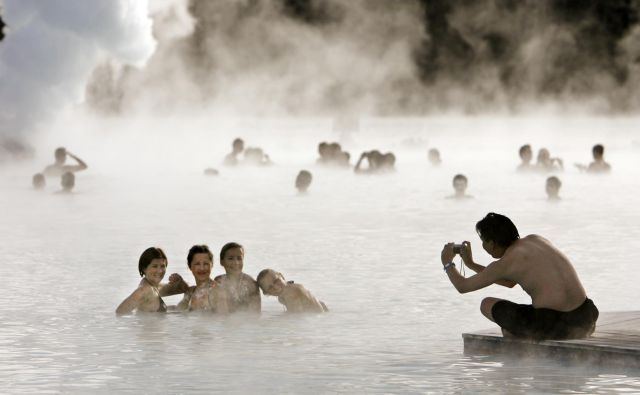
(544, 273)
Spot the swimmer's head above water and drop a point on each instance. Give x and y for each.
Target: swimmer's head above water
(271, 282)
(200, 262)
(60, 155)
(232, 257)
(68, 181)
(152, 258)
(38, 181)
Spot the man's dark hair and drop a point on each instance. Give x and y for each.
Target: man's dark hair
(228, 247)
(198, 249)
(149, 255)
(460, 177)
(497, 228)
(524, 148)
(598, 149)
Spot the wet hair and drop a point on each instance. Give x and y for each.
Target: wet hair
(524, 148)
(228, 247)
(497, 228)
(263, 273)
(149, 255)
(68, 180)
(553, 180)
(198, 249)
(598, 149)
(460, 177)
(303, 180)
(38, 181)
(60, 153)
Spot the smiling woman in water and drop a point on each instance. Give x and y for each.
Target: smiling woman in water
(207, 294)
(152, 267)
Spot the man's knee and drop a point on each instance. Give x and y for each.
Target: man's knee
(486, 305)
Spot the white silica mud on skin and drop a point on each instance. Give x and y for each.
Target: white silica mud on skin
(368, 246)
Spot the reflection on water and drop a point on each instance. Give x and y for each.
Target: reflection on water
(367, 246)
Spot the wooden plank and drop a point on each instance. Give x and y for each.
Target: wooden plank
(616, 341)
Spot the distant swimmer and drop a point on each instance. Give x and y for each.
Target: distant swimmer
(232, 158)
(67, 181)
(295, 297)
(376, 162)
(552, 188)
(526, 155)
(59, 168)
(559, 306)
(147, 298)
(38, 181)
(598, 165)
(256, 157)
(241, 289)
(303, 180)
(332, 154)
(206, 295)
(545, 163)
(460, 184)
(434, 157)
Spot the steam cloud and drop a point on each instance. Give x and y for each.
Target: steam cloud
(50, 48)
(375, 57)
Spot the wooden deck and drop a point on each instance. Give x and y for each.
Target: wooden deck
(616, 341)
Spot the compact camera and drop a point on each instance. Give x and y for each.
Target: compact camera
(457, 248)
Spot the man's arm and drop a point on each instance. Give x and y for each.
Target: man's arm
(489, 275)
(80, 166)
(467, 258)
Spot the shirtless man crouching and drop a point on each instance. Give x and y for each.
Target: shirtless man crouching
(560, 308)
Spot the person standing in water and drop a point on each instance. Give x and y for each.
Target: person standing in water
(242, 291)
(303, 181)
(295, 297)
(559, 306)
(526, 155)
(152, 267)
(598, 165)
(58, 168)
(232, 158)
(552, 187)
(206, 295)
(460, 184)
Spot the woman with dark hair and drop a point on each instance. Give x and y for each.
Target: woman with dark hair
(240, 288)
(152, 267)
(206, 295)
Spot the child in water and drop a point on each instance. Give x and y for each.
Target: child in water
(295, 297)
(206, 295)
(147, 297)
(241, 290)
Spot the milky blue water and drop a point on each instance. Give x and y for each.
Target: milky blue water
(367, 246)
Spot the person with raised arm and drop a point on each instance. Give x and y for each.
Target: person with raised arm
(58, 168)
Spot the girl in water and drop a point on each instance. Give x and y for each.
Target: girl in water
(206, 295)
(147, 297)
(241, 289)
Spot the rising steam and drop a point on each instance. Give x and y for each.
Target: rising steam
(406, 57)
(50, 48)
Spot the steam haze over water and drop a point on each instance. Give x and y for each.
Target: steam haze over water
(285, 76)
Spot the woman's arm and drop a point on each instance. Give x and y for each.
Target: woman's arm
(132, 302)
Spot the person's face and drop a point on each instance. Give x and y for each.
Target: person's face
(201, 265)
(61, 156)
(489, 247)
(154, 273)
(273, 284)
(238, 146)
(460, 186)
(596, 154)
(543, 155)
(233, 260)
(552, 190)
(527, 155)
